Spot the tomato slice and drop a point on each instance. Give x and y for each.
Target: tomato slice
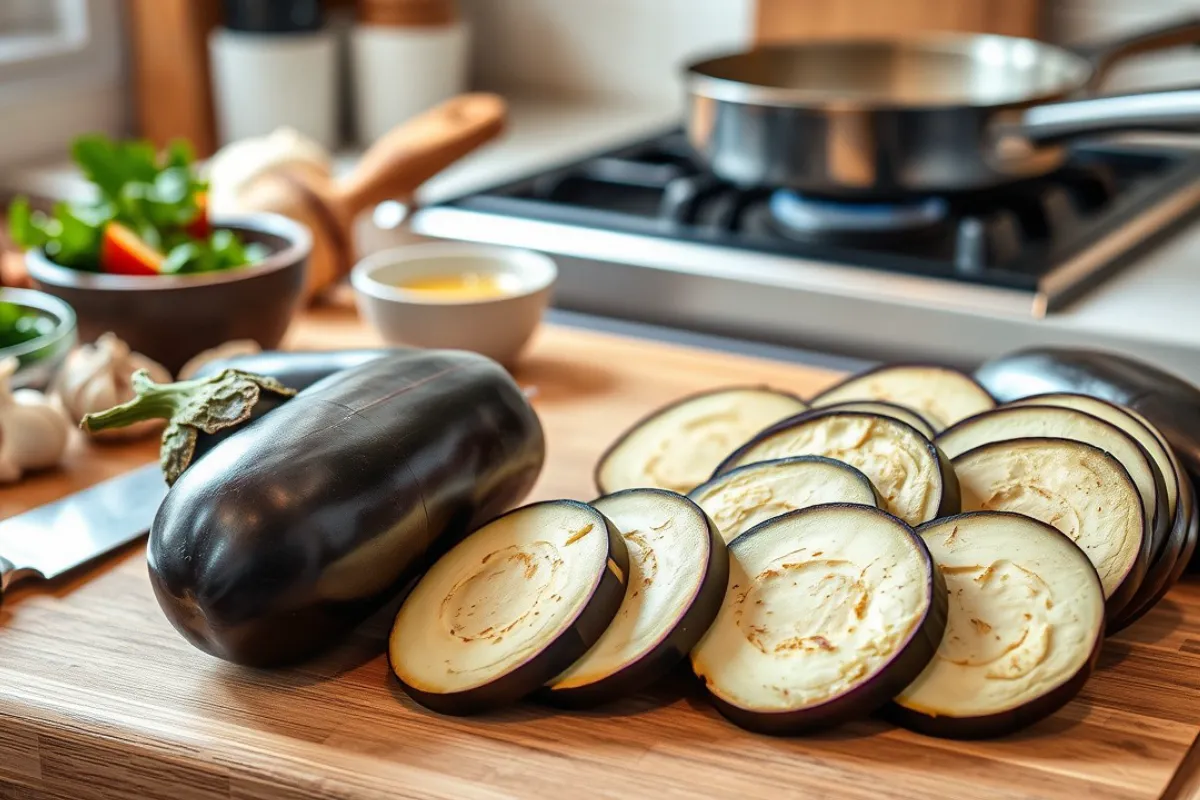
(124, 253)
(199, 228)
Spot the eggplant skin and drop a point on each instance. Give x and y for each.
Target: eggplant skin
(564, 651)
(991, 726)
(296, 369)
(1169, 402)
(293, 530)
(670, 652)
(874, 693)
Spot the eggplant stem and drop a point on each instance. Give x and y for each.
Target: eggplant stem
(191, 407)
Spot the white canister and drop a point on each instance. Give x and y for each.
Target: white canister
(401, 71)
(265, 81)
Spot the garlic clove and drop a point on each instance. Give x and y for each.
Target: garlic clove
(97, 376)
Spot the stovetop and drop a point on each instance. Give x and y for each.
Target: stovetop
(1050, 239)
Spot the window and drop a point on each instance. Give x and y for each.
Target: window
(61, 74)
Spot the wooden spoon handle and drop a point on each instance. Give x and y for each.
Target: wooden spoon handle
(416, 150)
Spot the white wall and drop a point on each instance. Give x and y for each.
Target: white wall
(1084, 21)
(627, 48)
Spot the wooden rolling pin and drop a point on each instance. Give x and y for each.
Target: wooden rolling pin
(392, 169)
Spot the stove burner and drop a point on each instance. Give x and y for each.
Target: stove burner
(798, 213)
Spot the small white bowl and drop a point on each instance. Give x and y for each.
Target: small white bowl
(498, 327)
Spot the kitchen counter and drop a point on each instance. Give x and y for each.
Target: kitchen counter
(101, 699)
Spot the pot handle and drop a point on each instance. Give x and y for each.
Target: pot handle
(1168, 110)
(1179, 32)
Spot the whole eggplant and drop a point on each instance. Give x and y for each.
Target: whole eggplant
(292, 531)
(295, 369)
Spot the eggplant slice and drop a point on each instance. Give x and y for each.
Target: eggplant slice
(1165, 571)
(510, 607)
(941, 395)
(1019, 422)
(1128, 421)
(678, 572)
(910, 472)
(831, 612)
(678, 447)
(1075, 487)
(886, 409)
(742, 498)
(1026, 624)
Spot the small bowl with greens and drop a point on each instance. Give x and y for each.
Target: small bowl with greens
(39, 330)
(146, 260)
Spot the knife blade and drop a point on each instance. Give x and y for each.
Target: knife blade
(54, 538)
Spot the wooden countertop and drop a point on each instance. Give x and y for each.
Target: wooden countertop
(100, 698)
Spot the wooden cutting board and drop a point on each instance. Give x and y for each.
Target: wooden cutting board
(100, 698)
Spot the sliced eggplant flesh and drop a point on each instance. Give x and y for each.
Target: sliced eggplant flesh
(941, 395)
(1017, 422)
(1026, 623)
(678, 447)
(911, 474)
(831, 611)
(510, 607)
(886, 409)
(1125, 419)
(678, 572)
(744, 497)
(1075, 487)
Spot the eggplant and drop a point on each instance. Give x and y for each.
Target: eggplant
(942, 395)
(1078, 488)
(1026, 625)
(678, 572)
(509, 608)
(742, 498)
(1169, 402)
(1035, 421)
(678, 446)
(1165, 571)
(288, 372)
(908, 470)
(831, 612)
(295, 529)
(886, 409)
(1113, 414)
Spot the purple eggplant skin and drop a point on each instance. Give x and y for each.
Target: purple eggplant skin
(298, 369)
(672, 650)
(1165, 572)
(877, 691)
(569, 647)
(293, 530)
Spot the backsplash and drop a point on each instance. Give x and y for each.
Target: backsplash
(633, 49)
(1085, 21)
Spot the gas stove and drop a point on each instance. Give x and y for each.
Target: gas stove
(644, 232)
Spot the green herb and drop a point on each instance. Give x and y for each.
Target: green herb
(19, 324)
(155, 195)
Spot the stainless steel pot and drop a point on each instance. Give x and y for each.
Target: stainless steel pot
(935, 114)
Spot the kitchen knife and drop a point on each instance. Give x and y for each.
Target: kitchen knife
(51, 539)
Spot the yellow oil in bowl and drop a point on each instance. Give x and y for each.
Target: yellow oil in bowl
(459, 286)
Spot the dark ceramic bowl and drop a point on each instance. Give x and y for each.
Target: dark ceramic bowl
(171, 318)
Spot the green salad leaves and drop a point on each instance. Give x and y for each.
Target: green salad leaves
(159, 197)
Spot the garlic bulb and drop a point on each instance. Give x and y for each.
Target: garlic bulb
(97, 376)
(33, 433)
